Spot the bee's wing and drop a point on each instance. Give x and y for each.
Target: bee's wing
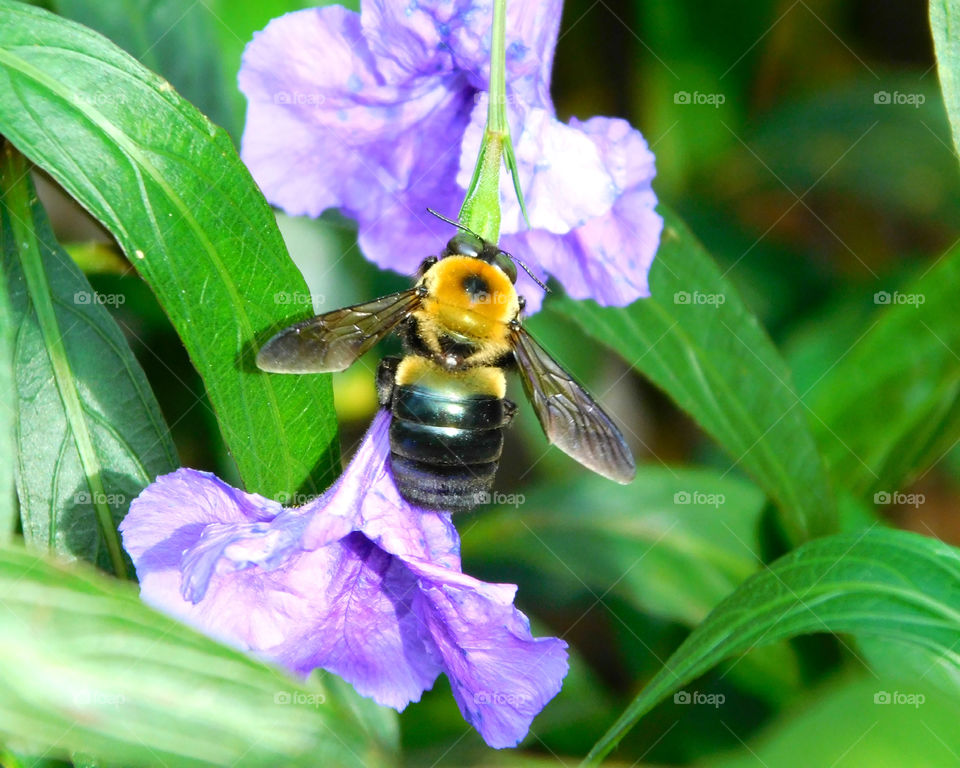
(332, 341)
(569, 416)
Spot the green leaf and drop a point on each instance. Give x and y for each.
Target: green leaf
(696, 340)
(174, 39)
(879, 582)
(945, 25)
(673, 543)
(891, 405)
(8, 506)
(169, 186)
(89, 433)
(848, 724)
(86, 667)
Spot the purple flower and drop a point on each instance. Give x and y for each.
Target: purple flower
(358, 582)
(380, 115)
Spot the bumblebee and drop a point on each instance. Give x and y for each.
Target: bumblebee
(461, 330)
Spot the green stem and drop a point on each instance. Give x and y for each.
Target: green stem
(481, 206)
(16, 192)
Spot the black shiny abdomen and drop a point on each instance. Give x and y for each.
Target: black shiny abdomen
(444, 449)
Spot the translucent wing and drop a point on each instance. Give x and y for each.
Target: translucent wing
(332, 341)
(570, 418)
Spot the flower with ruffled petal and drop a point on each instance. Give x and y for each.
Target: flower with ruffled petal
(380, 114)
(358, 582)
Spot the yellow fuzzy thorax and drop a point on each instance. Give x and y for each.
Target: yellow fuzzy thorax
(416, 371)
(470, 297)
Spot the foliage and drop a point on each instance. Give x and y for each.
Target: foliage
(801, 342)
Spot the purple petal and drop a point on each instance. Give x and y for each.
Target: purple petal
(608, 259)
(425, 36)
(501, 676)
(358, 582)
(367, 499)
(357, 621)
(160, 526)
(326, 128)
(564, 178)
(594, 223)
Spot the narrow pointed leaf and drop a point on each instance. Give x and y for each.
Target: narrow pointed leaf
(891, 405)
(86, 667)
(697, 340)
(89, 432)
(945, 25)
(170, 187)
(882, 583)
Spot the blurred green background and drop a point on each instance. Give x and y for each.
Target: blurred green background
(806, 144)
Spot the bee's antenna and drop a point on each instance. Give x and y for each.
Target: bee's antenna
(527, 270)
(455, 223)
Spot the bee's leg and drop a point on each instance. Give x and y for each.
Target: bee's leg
(386, 376)
(426, 264)
(509, 411)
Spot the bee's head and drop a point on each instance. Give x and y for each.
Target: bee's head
(469, 244)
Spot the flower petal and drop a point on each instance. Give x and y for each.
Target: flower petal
(345, 135)
(435, 35)
(357, 620)
(593, 216)
(608, 258)
(367, 499)
(564, 178)
(502, 677)
(159, 526)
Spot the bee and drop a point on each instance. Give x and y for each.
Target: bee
(461, 329)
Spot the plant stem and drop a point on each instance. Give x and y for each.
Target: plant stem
(481, 206)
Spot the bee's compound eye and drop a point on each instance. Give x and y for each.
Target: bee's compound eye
(505, 263)
(465, 244)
